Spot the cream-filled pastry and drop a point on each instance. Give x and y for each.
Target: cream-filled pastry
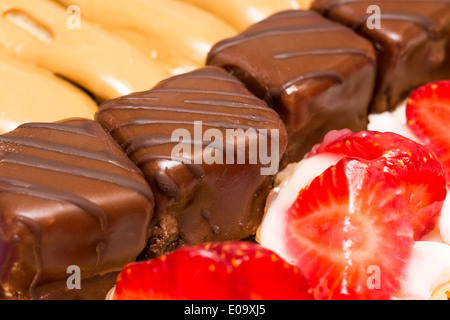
(174, 33)
(241, 14)
(100, 62)
(32, 94)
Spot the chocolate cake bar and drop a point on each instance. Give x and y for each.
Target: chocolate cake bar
(204, 143)
(70, 200)
(412, 39)
(317, 74)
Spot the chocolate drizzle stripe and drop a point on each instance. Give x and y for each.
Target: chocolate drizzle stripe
(420, 20)
(331, 74)
(285, 31)
(137, 143)
(250, 117)
(167, 185)
(291, 14)
(54, 166)
(135, 98)
(115, 105)
(229, 104)
(196, 169)
(103, 156)
(329, 51)
(26, 188)
(132, 97)
(58, 127)
(202, 92)
(148, 121)
(206, 76)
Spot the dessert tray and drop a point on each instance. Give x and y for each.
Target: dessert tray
(224, 150)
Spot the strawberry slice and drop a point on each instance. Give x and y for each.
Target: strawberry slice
(428, 116)
(213, 271)
(186, 274)
(265, 274)
(419, 175)
(350, 232)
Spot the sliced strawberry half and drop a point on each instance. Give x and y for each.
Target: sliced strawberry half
(186, 274)
(413, 167)
(350, 232)
(265, 274)
(213, 271)
(428, 116)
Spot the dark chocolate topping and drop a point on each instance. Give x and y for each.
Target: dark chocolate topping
(69, 196)
(275, 32)
(195, 201)
(232, 111)
(413, 41)
(280, 29)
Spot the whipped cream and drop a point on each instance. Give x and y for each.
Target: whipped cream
(394, 121)
(428, 270)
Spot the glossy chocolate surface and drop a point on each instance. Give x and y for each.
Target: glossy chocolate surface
(196, 200)
(317, 74)
(412, 42)
(69, 197)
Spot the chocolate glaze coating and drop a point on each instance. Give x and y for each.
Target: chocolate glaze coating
(317, 74)
(413, 42)
(195, 201)
(69, 196)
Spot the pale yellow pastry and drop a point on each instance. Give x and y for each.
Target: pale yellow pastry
(42, 31)
(31, 94)
(178, 34)
(241, 14)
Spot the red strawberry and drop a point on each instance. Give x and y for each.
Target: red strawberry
(265, 274)
(419, 175)
(428, 116)
(350, 232)
(217, 271)
(186, 274)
